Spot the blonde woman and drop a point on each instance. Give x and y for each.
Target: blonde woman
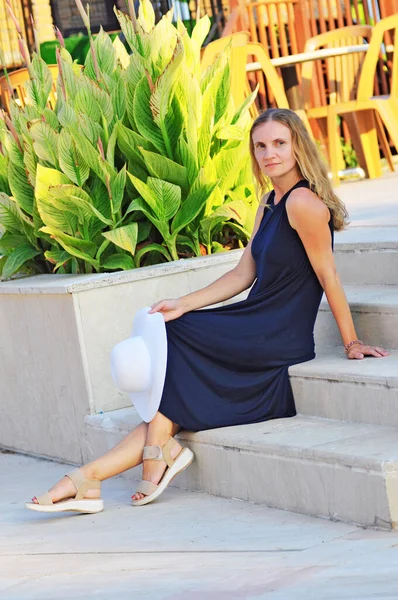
(229, 365)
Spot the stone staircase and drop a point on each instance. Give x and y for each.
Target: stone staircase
(338, 458)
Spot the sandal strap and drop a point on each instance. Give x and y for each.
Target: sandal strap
(152, 453)
(167, 448)
(146, 487)
(158, 453)
(76, 477)
(44, 499)
(82, 484)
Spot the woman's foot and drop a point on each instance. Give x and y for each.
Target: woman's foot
(65, 489)
(153, 470)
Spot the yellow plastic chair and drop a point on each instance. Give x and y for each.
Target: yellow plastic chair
(343, 74)
(255, 52)
(17, 80)
(212, 50)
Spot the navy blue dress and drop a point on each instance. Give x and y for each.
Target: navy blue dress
(229, 365)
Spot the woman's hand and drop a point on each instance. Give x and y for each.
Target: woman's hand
(170, 309)
(359, 351)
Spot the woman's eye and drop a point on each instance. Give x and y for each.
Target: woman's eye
(280, 142)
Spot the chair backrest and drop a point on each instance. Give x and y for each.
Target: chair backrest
(255, 52)
(336, 79)
(382, 51)
(212, 50)
(273, 25)
(18, 80)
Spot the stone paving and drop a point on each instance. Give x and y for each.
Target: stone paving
(185, 546)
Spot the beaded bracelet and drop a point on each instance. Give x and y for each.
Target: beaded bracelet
(353, 343)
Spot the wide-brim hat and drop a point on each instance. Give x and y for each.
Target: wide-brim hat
(138, 364)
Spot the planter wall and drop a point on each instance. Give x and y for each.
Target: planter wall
(56, 336)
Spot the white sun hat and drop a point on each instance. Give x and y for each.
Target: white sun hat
(138, 364)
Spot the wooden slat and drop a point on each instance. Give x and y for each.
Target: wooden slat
(292, 30)
(332, 24)
(272, 35)
(282, 31)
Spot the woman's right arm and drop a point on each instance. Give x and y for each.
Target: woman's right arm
(234, 282)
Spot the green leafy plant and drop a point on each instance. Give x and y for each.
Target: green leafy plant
(143, 159)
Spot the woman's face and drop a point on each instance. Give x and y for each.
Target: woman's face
(273, 149)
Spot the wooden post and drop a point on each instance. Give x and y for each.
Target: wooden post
(388, 8)
(302, 23)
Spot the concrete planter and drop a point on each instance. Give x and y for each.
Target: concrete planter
(56, 335)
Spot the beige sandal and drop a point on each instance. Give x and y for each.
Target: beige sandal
(78, 503)
(174, 467)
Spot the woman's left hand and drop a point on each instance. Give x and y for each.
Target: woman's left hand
(359, 351)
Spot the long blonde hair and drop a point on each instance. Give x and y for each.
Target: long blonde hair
(309, 161)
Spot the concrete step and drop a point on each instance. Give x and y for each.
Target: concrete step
(367, 255)
(341, 471)
(375, 312)
(359, 391)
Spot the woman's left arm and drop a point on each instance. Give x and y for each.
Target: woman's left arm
(309, 216)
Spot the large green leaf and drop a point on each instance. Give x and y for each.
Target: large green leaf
(51, 118)
(49, 214)
(119, 261)
(57, 257)
(9, 241)
(70, 198)
(14, 152)
(18, 258)
(100, 197)
(100, 96)
(76, 246)
(124, 237)
(21, 189)
(200, 31)
(122, 56)
(105, 54)
(228, 163)
(30, 161)
(163, 197)
(143, 117)
(166, 115)
(86, 104)
(71, 160)
(188, 159)
(45, 142)
(129, 141)
(206, 131)
(38, 88)
(166, 169)
(93, 158)
(151, 248)
(139, 205)
(117, 185)
(119, 99)
(191, 207)
(11, 218)
(67, 116)
(146, 15)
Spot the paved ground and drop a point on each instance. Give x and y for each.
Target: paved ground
(186, 546)
(372, 202)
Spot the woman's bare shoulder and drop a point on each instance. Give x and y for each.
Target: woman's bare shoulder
(302, 202)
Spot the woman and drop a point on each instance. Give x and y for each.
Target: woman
(229, 365)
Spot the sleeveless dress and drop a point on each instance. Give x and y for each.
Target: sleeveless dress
(229, 365)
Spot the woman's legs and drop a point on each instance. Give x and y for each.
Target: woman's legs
(160, 430)
(127, 454)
